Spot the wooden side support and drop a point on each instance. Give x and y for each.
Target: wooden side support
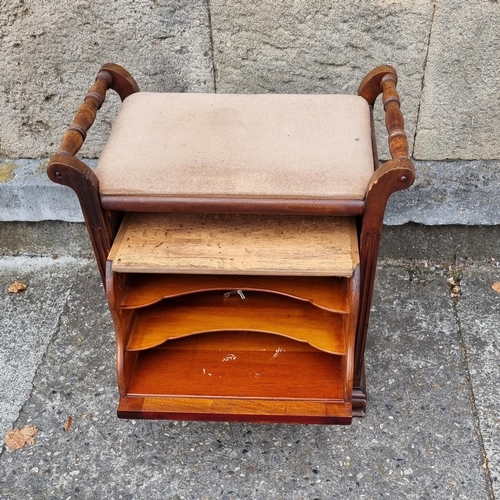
(64, 168)
(394, 175)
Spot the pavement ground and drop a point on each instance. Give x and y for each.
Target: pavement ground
(432, 429)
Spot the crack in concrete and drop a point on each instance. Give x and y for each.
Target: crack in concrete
(57, 329)
(475, 413)
(211, 35)
(422, 86)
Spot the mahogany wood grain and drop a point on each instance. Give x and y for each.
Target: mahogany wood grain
(234, 340)
(304, 323)
(146, 289)
(392, 176)
(398, 142)
(383, 80)
(123, 320)
(351, 323)
(70, 171)
(263, 312)
(371, 85)
(236, 410)
(236, 244)
(276, 206)
(238, 365)
(67, 170)
(109, 76)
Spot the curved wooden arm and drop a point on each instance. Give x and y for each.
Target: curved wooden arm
(383, 80)
(70, 171)
(110, 76)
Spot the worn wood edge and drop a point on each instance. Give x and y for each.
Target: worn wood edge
(350, 333)
(236, 205)
(118, 239)
(117, 268)
(238, 410)
(67, 170)
(123, 321)
(394, 175)
(359, 396)
(123, 83)
(256, 330)
(371, 85)
(243, 289)
(354, 245)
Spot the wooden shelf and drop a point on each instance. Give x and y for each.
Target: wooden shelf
(264, 312)
(328, 293)
(238, 374)
(235, 317)
(236, 244)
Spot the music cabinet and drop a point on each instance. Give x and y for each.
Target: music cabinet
(237, 240)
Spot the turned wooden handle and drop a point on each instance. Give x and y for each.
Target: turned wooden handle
(110, 76)
(394, 121)
(383, 80)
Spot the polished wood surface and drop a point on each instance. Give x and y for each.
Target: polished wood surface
(65, 169)
(383, 80)
(101, 225)
(221, 205)
(237, 376)
(263, 312)
(371, 85)
(146, 289)
(236, 410)
(236, 244)
(239, 365)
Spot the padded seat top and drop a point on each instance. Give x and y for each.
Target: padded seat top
(229, 145)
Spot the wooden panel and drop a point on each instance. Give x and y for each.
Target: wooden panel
(236, 410)
(239, 365)
(234, 205)
(147, 289)
(236, 244)
(211, 311)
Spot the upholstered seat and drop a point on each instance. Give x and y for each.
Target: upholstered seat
(262, 146)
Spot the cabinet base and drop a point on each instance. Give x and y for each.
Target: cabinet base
(235, 410)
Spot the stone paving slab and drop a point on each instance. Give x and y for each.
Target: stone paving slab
(418, 440)
(28, 322)
(459, 117)
(478, 311)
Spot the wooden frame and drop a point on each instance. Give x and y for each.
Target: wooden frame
(103, 215)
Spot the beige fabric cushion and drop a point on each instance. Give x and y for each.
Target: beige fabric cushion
(266, 145)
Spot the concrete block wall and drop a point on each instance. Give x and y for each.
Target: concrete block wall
(446, 53)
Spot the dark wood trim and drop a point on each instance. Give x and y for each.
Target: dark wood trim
(65, 169)
(233, 205)
(392, 176)
(371, 86)
(122, 81)
(70, 171)
(359, 395)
